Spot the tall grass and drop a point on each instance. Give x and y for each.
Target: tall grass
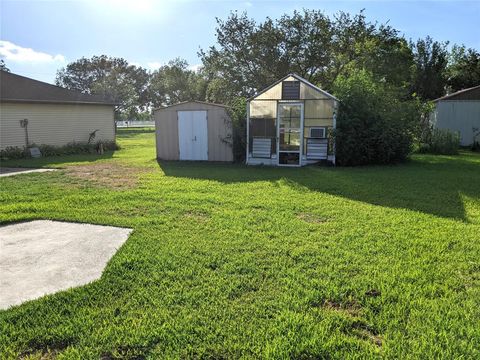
(442, 142)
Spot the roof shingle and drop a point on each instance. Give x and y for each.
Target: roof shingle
(16, 88)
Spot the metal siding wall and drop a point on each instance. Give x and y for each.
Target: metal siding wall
(166, 126)
(219, 127)
(54, 124)
(459, 116)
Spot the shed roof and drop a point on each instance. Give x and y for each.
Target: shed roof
(299, 78)
(190, 102)
(472, 93)
(17, 88)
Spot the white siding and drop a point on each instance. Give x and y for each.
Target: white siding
(54, 124)
(460, 116)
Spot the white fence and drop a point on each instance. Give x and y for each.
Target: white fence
(130, 123)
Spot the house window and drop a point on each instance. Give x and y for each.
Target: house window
(317, 132)
(290, 90)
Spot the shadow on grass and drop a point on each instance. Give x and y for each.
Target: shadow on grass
(429, 184)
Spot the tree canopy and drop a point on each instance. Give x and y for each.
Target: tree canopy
(431, 59)
(249, 56)
(3, 66)
(175, 82)
(111, 77)
(464, 68)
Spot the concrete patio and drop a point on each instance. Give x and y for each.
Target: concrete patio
(42, 257)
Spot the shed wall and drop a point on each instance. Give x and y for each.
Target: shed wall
(54, 124)
(218, 127)
(460, 116)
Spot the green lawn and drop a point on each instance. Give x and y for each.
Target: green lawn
(227, 261)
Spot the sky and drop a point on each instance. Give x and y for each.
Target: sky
(38, 37)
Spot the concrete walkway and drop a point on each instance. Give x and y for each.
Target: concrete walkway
(19, 171)
(42, 257)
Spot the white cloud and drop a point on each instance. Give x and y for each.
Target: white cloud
(16, 53)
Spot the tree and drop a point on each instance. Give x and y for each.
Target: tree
(463, 68)
(374, 125)
(109, 76)
(175, 82)
(431, 59)
(3, 66)
(250, 56)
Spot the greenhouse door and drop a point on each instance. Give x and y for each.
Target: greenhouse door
(289, 134)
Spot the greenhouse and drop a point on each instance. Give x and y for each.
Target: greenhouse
(291, 123)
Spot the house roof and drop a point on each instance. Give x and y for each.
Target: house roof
(16, 88)
(472, 93)
(192, 101)
(299, 78)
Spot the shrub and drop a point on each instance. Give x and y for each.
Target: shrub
(442, 142)
(476, 139)
(13, 152)
(374, 126)
(476, 146)
(51, 150)
(238, 115)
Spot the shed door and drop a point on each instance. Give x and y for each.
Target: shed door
(193, 135)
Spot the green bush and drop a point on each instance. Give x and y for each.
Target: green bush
(476, 146)
(374, 124)
(13, 152)
(51, 150)
(476, 139)
(441, 142)
(238, 115)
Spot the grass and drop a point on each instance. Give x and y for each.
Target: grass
(227, 261)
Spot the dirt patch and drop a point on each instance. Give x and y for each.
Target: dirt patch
(133, 352)
(108, 174)
(45, 350)
(196, 215)
(373, 293)
(311, 218)
(367, 333)
(350, 307)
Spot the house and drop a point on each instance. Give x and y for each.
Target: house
(290, 123)
(34, 112)
(459, 112)
(193, 130)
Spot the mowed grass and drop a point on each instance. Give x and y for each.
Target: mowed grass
(227, 261)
